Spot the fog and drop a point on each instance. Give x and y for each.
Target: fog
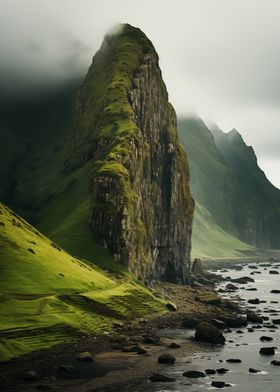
(219, 58)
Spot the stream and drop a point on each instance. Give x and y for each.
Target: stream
(241, 343)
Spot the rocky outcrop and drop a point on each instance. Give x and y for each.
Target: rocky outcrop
(142, 209)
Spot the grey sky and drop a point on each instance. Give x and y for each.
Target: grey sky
(220, 58)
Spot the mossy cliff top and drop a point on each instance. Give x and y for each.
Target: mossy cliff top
(141, 203)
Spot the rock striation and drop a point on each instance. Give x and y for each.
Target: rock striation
(142, 208)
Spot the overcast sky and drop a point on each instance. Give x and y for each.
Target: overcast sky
(220, 58)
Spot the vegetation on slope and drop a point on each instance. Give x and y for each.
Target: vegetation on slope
(49, 297)
(214, 187)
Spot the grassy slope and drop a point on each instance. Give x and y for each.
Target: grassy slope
(211, 182)
(48, 296)
(211, 241)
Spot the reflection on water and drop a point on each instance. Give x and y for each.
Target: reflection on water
(244, 346)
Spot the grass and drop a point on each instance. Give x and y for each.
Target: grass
(49, 297)
(210, 241)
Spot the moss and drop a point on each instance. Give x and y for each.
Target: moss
(51, 297)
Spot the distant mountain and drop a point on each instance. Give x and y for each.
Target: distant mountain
(231, 191)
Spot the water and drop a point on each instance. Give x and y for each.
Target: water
(244, 346)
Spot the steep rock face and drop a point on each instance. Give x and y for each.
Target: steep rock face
(142, 207)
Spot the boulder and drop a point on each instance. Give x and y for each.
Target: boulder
(175, 345)
(254, 301)
(218, 323)
(210, 371)
(251, 370)
(252, 317)
(166, 358)
(218, 384)
(155, 377)
(267, 351)
(233, 360)
(206, 332)
(222, 371)
(275, 363)
(194, 374)
(189, 323)
(275, 291)
(231, 287)
(266, 338)
(243, 280)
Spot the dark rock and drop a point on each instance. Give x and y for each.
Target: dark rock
(251, 370)
(166, 359)
(267, 351)
(218, 323)
(175, 345)
(233, 360)
(231, 287)
(276, 321)
(252, 289)
(151, 339)
(235, 322)
(255, 301)
(210, 371)
(189, 323)
(275, 363)
(141, 350)
(155, 377)
(194, 374)
(275, 291)
(218, 384)
(206, 332)
(266, 339)
(273, 272)
(252, 317)
(243, 280)
(222, 371)
(85, 357)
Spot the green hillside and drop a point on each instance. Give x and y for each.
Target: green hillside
(215, 189)
(48, 296)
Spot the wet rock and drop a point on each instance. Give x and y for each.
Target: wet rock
(151, 339)
(141, 350)
(235, 322)
(155, 377)
(252, 370)
(175, 345)
(273, 272)
(210, 371)
(222, 370)
(254, 301)
(267, 351)
(266, 338)
(166, 359)
(276, 321)
(252, 267)
(250, 330)
(120, 339)
(206, 332)
(194, 374)
(252, 289)
(85, 357)
(219, 384)
(275, 291)
(252, 317)
(218, 323)
(30, 375)
(275, 363)
(231, 287)
(233, 360)
(243, 280)
(189, 323)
